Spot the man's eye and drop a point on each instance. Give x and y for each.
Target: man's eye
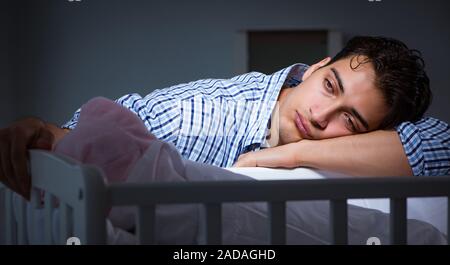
(328, 86)
(349, 123)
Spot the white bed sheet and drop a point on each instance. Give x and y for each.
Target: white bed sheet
(431, 210)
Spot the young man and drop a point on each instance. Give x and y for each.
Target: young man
(374, 83)
(393, 73)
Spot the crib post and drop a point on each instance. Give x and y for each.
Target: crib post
(90, 227)
(398, 228)
(146, 224)
(448, 220)
(277, 219)
(213, 223)
(339, 222)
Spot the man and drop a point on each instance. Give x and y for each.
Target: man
(373, 83)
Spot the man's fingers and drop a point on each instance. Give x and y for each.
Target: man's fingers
(7, 168)
(241, 162)
(5, 163)
(246, 160)
(3, 177)
(44, 140)
(14, 143)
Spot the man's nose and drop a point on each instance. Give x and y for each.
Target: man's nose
(320, 117)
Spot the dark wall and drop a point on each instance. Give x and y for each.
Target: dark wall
(67, 52)
(7, 108)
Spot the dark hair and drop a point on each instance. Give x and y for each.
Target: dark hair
(400, 76)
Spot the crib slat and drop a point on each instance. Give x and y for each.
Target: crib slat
(48, 209)
(277, 215)
(10, 220)
(21, 221)
(2, 206)
(339, 222)
(4, 227)
(35, 202)
(36, 199)
(448, 220)
(398, 228)
(213, 223)
(146, 224)
(65, 222)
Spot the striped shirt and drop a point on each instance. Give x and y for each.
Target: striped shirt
(214, 121)
(427, 146)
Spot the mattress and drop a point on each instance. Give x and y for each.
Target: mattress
(430, 210)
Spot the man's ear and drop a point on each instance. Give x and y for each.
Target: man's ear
(314, 67)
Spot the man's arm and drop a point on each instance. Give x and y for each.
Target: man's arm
(419, 149)
(378, 153)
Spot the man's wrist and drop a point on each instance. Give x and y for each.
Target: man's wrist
(304, 154)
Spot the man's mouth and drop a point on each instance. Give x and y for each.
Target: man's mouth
(301, 126)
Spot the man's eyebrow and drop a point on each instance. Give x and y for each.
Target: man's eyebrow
(360, 118)
(338, 78)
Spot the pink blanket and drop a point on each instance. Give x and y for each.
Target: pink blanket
(108, 136)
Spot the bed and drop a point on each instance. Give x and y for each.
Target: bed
(233, 206)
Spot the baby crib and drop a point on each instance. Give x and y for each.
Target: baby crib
(83, 200)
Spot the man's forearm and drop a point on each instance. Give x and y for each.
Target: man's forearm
(378, 153)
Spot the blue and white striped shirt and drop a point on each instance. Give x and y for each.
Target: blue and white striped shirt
(427, 146)
(214, 121)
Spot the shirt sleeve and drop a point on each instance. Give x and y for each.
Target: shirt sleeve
(159, 113)
(72, 123)
(427, 146)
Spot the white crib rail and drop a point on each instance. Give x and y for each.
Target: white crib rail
(68, 184)
(276, 194)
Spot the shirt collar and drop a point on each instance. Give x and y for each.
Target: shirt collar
(295, 75)
(291, 77)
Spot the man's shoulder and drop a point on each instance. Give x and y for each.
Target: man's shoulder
(426, 129)
(247, 86)
(425, 123)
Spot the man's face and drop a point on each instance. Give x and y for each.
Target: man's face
(332, 101)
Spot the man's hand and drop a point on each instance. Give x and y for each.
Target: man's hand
(246, 160)
(284, 156)
(15, 140)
